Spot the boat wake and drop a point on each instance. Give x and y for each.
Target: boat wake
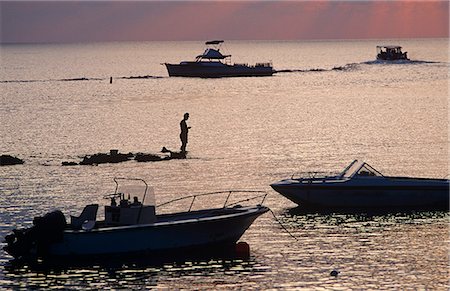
(77, 79)
(400, 62)
(347, 67)
(52, 80)
(355, 66)
(142, 77)
(82, 79)
(299, 70)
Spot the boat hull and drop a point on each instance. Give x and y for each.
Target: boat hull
(193, 232)
(216, 70)
(392, 58)
(396, 193)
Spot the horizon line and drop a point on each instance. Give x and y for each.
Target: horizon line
(202, 40)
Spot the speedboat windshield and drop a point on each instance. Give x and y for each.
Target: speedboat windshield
(135, 190)
(357, 168)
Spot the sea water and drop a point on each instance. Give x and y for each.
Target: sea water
(331, 103)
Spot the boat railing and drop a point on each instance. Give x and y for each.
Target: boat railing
(258, 195)
(265, 65)
(257, 65)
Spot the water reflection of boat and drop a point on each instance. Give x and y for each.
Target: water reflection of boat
(391, 53)
(133, 228)
(361, 186)
(213, 64)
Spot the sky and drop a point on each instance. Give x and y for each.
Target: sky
(96, 21)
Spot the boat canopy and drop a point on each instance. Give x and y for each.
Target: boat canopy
(389, 48)
(357, 168)
(214, 42)
(210, 54)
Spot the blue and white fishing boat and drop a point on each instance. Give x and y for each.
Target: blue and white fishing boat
(361, 186)
(213, 64)
(131, 227)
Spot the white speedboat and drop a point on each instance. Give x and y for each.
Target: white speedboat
(361, 186)
(133, 228)
(213, 64)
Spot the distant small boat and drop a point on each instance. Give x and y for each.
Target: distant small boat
(361, 186)
(132, 228)
(213, 64)
(391, 53)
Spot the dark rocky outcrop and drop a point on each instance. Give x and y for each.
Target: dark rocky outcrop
(115, 157)
(143, 157)
(101, 158)
(7, 160)
(69, 163)
(174, 155)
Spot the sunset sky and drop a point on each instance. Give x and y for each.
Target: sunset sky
(85, 21)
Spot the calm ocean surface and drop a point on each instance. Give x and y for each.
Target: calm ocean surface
(338, 105)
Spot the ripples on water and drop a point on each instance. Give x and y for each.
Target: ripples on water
(377, 252)
(334, 105)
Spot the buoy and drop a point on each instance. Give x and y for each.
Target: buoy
(334, 273)
(242, 250)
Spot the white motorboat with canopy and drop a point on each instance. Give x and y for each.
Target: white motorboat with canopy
(359, 185)
(131, 227)
(213, 64)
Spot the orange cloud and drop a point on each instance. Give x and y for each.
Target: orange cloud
(67, 21)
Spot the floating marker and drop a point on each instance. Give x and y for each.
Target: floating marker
(334, 273)
(242, 250)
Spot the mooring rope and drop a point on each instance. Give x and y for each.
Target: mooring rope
(285, 229)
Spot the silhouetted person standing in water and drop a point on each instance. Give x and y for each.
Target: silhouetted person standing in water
(184, 132)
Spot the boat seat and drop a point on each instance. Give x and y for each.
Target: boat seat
(89, 213)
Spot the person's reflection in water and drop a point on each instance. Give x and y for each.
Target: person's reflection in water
(184, 132)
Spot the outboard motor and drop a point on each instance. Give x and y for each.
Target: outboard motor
(23, 243)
